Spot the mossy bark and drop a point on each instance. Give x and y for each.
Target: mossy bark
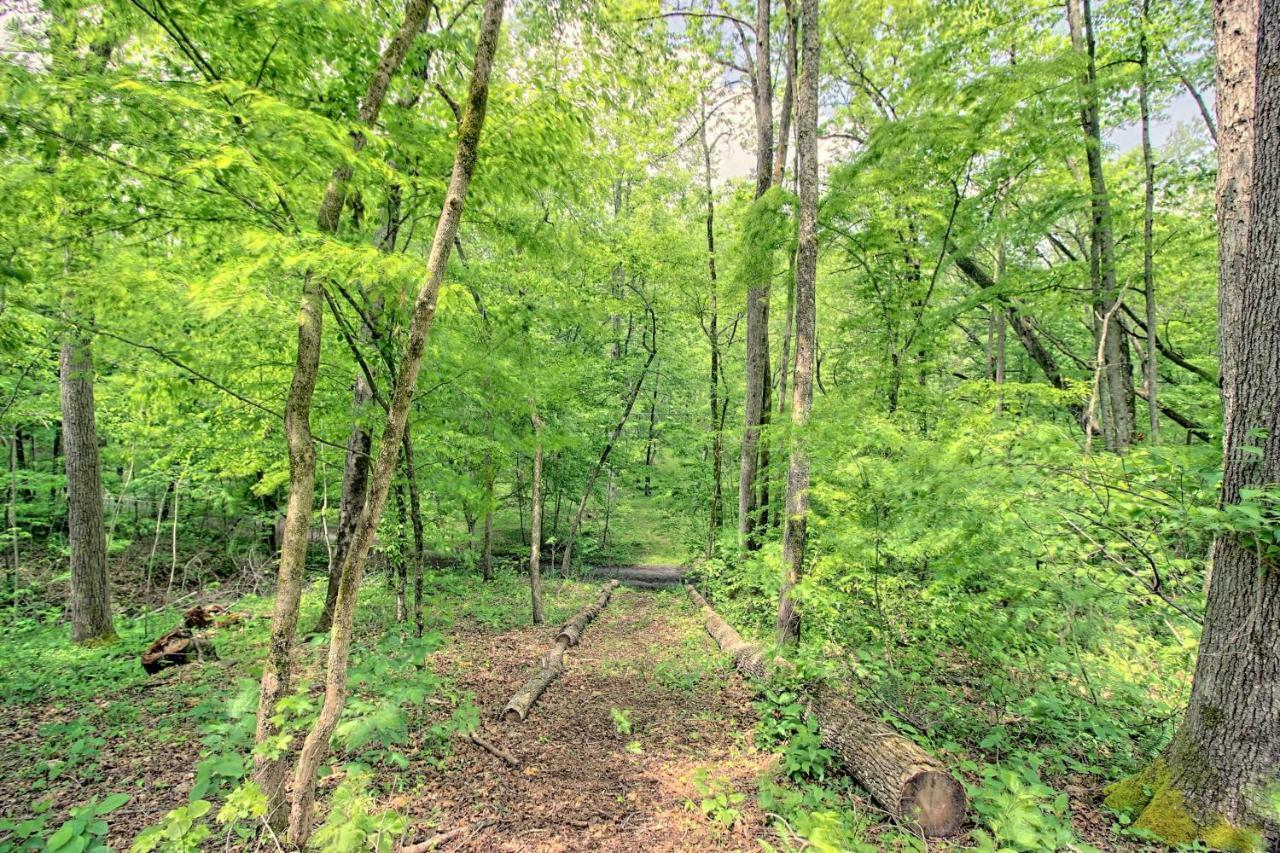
(1156, 804)
(1213, 781)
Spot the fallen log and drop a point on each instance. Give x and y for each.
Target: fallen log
(909, 783)
(571, 633)
(517, 708)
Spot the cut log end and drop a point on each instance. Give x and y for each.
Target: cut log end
(935, 801)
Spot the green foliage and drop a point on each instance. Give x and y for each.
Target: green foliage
(354, 822)
(1018, 812)
(718, 802)
(621, 720)
(181, 831)
(84, 830)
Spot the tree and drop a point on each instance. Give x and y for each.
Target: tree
(795, 524)
(277, 675)
(91, 620)
(302, 795)
(1214, 780)
(1114, 383)
(535, 521)
(760, 271)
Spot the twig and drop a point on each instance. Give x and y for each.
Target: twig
(495, 751)
(436, 840)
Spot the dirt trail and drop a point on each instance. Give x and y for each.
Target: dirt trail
(583, 782)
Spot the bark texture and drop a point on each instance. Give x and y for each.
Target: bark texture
(909, 783)
(1213, 779)
(757, 358)
(1116, 386)
(316, 746)
(519, 705)
(794, 530)
(90, 591)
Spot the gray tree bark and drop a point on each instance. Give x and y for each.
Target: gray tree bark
(1214, 777)
(1116, 370)
(794, 530)
(90, 602)
(757, 358)
(535, 523)
(1148, 227)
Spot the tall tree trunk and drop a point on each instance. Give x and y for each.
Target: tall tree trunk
(355, 483)
(415, 518)
(535, 523)
(713, 341)
(1148, 227)
(1116, 371)
(788, 99)
(757, 359)
(316, 747)
(90, 590)
(355, 472)
(277, 673)
(1216, 775)
(795, 525)
(650, 444)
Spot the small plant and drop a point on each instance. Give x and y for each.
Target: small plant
(621, 720)
(354, 823)
(718, 802)
(82, 832)
(1020, 813)
(181, 831)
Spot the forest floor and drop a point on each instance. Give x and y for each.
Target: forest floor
(648, 741)
(642, 723)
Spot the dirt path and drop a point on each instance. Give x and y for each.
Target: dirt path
(584, 782)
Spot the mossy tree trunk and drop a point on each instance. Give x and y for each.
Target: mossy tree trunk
(1213, 780)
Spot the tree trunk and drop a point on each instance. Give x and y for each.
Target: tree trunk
(650, 446)
(519, 705)
(535, 523)
(1148, 227)
(419, 536)
(277, 674)
(90, 602)
(788, 99)
(486, 542)
(302, 794)
(355, 483)
(757, 358)
(1215, 776)
(713, 341)
(795, 523)
(1116, 371)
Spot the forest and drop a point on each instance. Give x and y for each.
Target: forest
(831, 425)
